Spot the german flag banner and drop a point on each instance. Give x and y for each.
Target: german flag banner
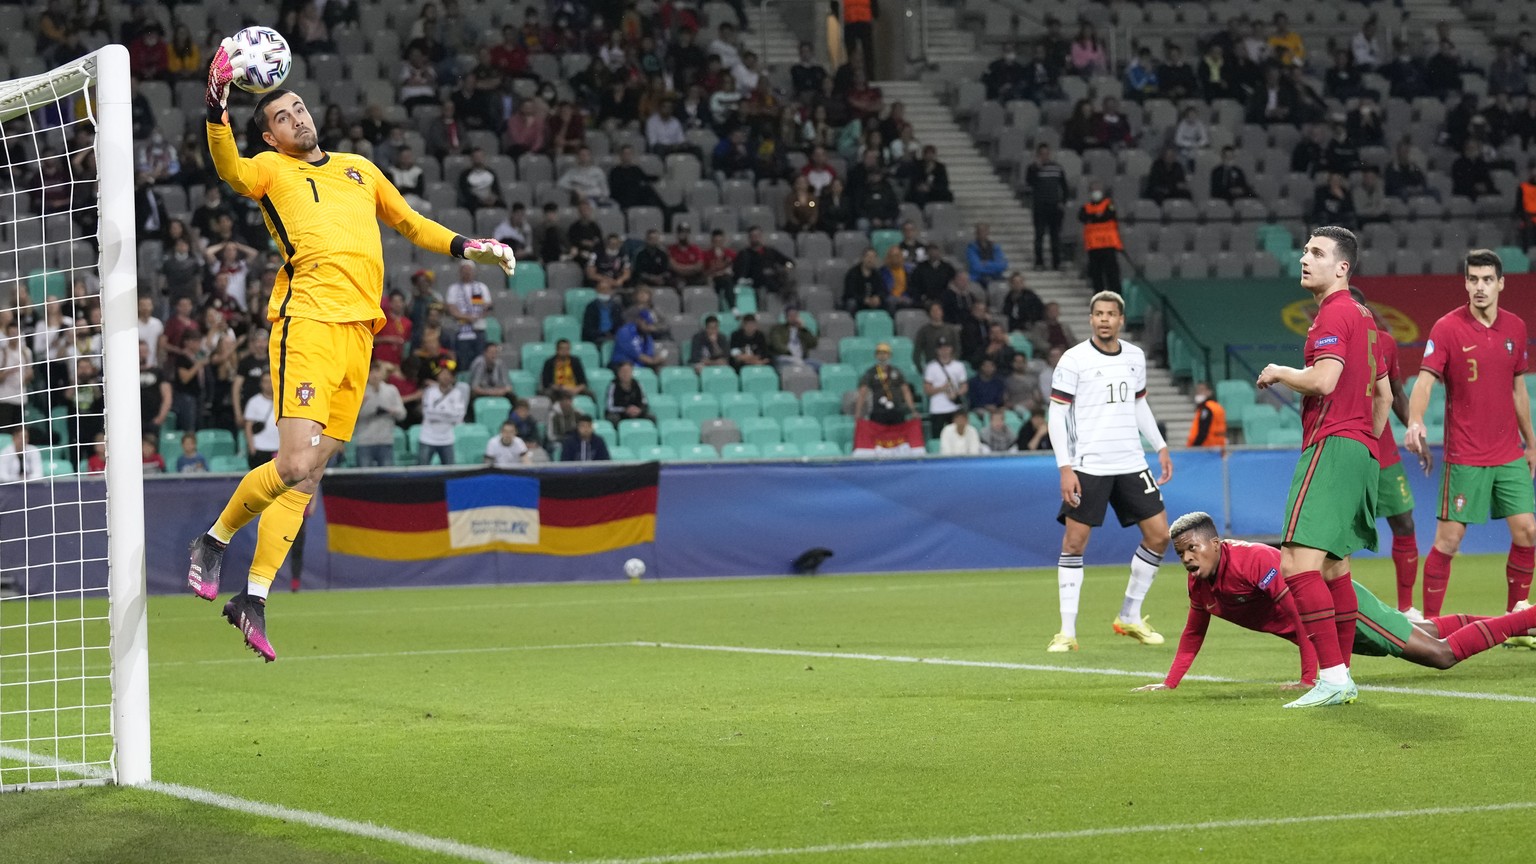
(412, 517)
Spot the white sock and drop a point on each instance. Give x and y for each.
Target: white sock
(1336, 675)
(1143, 570)
(255, 590)
(217, 533)
(1069, 587)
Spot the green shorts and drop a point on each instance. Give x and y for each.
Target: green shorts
(1380, 631)
(1393, 497)
(1469, 493)
(1332, 505)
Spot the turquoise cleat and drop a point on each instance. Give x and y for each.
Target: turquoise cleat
(1327, 694)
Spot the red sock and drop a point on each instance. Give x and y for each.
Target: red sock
(1437, 574)
(1315, 603)
(1517, 572)
(1405, 558)
(1445, 625)
(1484, 634)
(1346, 608)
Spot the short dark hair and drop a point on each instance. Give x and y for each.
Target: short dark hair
(1484, 258)
(261, 107)
(710, 319)
(1348, 247)
(560, 342)
(1198, 521)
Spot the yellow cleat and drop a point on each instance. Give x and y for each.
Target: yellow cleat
(1141, 631)
(1061, 643)
(1526, 641)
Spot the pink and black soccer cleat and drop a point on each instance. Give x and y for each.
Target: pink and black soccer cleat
(249, 615)
(203, 571)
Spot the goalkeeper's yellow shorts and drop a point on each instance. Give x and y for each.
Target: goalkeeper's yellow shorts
(319, 371)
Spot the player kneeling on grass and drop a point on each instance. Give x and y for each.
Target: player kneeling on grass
(323, 211)
(1241, 583)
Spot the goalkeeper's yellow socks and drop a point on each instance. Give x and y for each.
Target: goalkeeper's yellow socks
(257, 490)
(279, 524)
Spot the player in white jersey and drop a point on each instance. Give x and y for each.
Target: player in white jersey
(1098, 416)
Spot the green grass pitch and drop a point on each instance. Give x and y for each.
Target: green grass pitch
(434, 712)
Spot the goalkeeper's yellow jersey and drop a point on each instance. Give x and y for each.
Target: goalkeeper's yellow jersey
(324, 218)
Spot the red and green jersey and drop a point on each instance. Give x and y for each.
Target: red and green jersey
(1478, 365)
(1346, 332)
(1386, 364)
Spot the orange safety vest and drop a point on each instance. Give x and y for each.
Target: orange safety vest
(857, 11)
(1100, 231)
(1528, 200)
(1216, 436)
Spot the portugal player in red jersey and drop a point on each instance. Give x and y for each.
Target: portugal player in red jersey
(1479, 352)
(1241, 582)
(1331, 511)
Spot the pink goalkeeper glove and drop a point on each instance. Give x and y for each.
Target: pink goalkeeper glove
(491, 252)
(220, 73)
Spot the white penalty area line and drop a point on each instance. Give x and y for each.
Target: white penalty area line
(368, 830)
(1085, 833)
(366, 655)
(1070, 670)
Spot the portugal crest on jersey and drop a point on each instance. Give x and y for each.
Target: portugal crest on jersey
(306, 391)
(1509, 346)
(354, 174)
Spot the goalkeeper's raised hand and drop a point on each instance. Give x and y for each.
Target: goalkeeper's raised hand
(491, 252)
(220, 73)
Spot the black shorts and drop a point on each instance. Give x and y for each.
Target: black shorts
(1135, 498)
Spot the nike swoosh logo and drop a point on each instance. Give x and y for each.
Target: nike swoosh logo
(1466, 348)
(287, 539)
(1210, 607)
(1434, 590)
(247, 507)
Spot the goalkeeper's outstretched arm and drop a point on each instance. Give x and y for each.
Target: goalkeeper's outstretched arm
(434, 237)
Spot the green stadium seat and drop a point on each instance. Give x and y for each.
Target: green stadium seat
(620, 453)
(600, 377)
(170, 445)
(933, 447)
(739, 406)
(856, 351)
(678, 380)
(1289, 419)
(225, 465)
(821, 403)
(746, 299)
(679, 434)
(782, 450)
(821, 450)
(699, 453)
(718, 380)
(1514, 258)
(215, 442)
(809, 322)
(1020, 343)
(728, 322)
(469, 444)
(605, 430)
(6, 441)
(646, 378)
(1285, 436)
(875, 324)
(525, 382)
(659, 453)
(413, 440)
(741, 451)
(699, 406)
(402, 446)
(1258, 420)
(839, 430)
(492, 331)
(586, 405)
(779, 404)
(492, 411)
(758, 379)
(802, 430)
(884, 239)
(637, 434)
(1235, 395)
(839, 378)
(528, 278)
(663, 406)
(588, 354)
(761, 431)
(533, 355)
(59, 468)
(577, 300)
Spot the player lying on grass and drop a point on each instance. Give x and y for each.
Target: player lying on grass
(1241, 583)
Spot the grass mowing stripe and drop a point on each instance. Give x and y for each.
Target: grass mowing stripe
(409, 839)
(977, 839)
(1074, 670)
(364, 655)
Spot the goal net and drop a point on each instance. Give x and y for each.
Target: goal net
(74, 686)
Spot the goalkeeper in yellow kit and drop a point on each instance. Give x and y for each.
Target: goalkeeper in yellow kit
(322, 210)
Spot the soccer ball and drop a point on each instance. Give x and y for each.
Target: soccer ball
(260, 58)
(634, 568)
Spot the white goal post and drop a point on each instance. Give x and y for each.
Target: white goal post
(74, 658)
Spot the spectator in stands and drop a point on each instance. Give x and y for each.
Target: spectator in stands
(1309, 156)
(469, 301)
(585, 181)
(1364, 123)
(181, 273)
(925, 341)
(410, 179)
(1273, 102)
(609, 265)
(878, 205)
(148, 54)
(1334, 205)
(1405, 72)
(1285, 44)
(1050, 333)
(913, 250)
(733, 159)
(790, 342)
(381, 411)
(1191, 136)
(652, 265)
(719, 263)
(1042, 77)
(443, 405)
(687, 259)
(975, 329)
(515, 230)
(21, 461)
(1365, 47)
(187, 391)
(567, 130)
(1035, 434)
(630, 186)
(1215, 75)
(192, 462)
(1046, 182)
(634, 344)
(417, 79)
(800, 208)
(806, 75)
(603, 315)
(664, 132)
(749, 346)
(985, 260)
(157, 157)
(393, 340)
(1004, 78)
(818, 172)
(585, 235)
(1228, 180)
(1209, 428)
(528, 130)
(957, 298)
(1087, 53)
(725, 46)
(1141, 76)
(625, 400)
(489, 375)
(1175, 79)
(1470, 174)
(1506, 74)
(931, 277)
(1405, 178)
(1442, 74)
(985, 389)
(959, 437)
(506, 450)
(708, 347)
(997, 437)
(1370, 197)
(16, 373)
(582, 445)
(928, 180)
(836, 208)
(862, 287)
(478, 184)
(1112, 128)
(561, 420)
(1525, 209)
(894, 280)
(563, 373)
(1057, 47)
(476, 108)
(1341, 155)
(1022, 387)
(148, 209)
(1342, 80)
(767, 268)
(945, 383)
(1021, 306)
(884, 389)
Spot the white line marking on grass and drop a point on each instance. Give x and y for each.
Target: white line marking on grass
(368, 830)
(366, 655)
(977, 839)
(1072, 670)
